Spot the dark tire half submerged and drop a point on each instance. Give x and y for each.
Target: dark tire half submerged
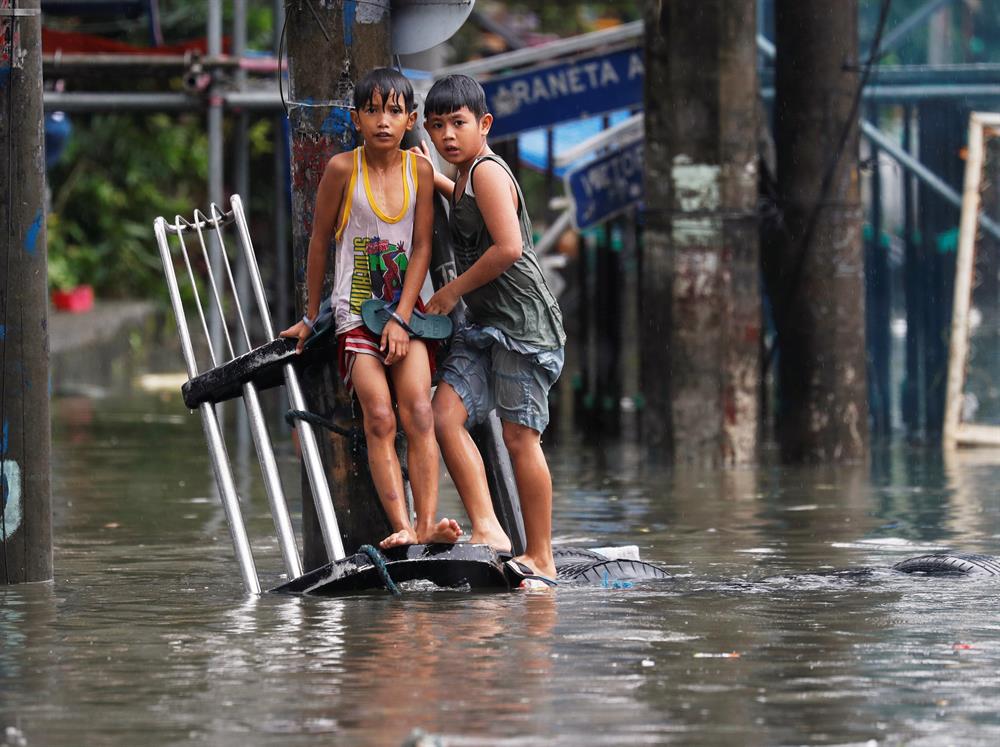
(941, 564)
(610, 572)
(574, 555)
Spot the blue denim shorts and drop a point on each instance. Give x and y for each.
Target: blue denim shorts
(487, 371)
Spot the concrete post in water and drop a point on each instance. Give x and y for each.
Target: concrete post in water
(816, 275)
(700, 294)
(330, 45)
(25, 499)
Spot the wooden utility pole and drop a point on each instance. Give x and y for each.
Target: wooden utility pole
(330, 46)
(25, 499)
(700, 293)
(816, 274)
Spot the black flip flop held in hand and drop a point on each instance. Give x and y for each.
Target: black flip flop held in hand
(376, 313)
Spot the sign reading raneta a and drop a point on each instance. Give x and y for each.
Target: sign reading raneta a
(547, 95)
(606, 186)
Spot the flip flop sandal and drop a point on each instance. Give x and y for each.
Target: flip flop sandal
(376, 313)
(520, 576)
(324, 325)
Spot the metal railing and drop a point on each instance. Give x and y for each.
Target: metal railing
(220, 291)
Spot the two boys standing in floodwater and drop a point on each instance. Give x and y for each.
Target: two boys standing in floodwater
(377, 201)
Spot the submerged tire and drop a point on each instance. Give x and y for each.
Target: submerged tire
(941, 564)
(566, 556)
(610, 572)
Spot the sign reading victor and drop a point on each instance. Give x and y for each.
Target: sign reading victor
(606, 186)
(556, 93)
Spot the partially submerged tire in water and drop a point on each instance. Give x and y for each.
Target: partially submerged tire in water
(565, 556)
(610, 572)
(941, 564)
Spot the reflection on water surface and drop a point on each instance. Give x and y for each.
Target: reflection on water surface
(145, 636)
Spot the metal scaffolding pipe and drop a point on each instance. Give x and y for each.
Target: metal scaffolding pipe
(921, 75)
(215, 157)
(917, 93)
(531, 55)
(269, 101)
(902, 30)
(924, 174)
(145, 64)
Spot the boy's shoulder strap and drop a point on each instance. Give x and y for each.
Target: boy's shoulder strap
(496, 159)
(349, 197)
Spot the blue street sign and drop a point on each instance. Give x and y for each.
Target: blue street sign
(556, 93)
(606, 186)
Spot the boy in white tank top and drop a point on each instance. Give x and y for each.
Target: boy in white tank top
(377, 203)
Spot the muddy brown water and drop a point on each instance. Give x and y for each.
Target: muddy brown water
(145, 636)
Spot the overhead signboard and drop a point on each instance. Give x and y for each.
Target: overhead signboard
(606, 186)
(550, 94)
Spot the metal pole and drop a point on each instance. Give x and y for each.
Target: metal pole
(272, 482)
(878, 301)
(215, 157)
(922, 173)
(241, 175)
(241, 169)
(25, 497)
(313, 462)
(903, 29)
(911, 395)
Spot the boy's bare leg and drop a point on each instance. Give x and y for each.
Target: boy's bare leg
(372, 390)
(534, 484)
(465, 464)
(411, 378)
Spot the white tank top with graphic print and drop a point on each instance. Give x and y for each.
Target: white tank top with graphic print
(373, 249)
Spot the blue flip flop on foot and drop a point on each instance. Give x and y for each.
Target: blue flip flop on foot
(520, 575)
(376, 313)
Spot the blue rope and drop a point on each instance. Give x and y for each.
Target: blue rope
(378, 560)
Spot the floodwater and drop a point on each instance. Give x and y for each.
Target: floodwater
(145, 636)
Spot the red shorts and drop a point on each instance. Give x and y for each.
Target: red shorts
(360, 341)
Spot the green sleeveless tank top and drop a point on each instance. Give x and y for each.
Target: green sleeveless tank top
(518, 302)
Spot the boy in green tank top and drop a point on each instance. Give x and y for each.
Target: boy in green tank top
(509, 352)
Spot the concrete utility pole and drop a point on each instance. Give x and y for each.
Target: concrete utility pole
(25, 499)
(330, 45)
(701, 311)
(816, 274)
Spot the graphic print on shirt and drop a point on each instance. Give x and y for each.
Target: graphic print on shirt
(379, 270)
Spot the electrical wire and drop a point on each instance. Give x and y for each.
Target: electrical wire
(281, 53)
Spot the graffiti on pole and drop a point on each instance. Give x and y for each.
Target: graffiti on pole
(11, 53)
(10, 488)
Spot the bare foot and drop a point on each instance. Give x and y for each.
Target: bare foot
(497, 540)
(446, 530)
(402, 537)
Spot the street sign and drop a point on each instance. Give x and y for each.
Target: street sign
(606, 186)
(547, 95)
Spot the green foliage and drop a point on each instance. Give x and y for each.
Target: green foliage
(118, 173)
